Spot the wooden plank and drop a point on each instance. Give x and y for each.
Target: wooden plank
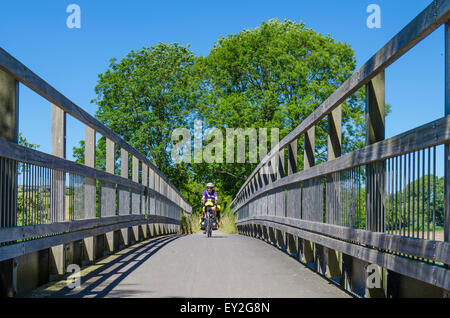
(110, 154)
(135, 195)
(432, 250)
(152, 187)
(107, 199)
(58, 182)
(9, 107)
(124, 192)
(437, 13)
(292, 157)
(431, 134)
(447, 146)
(157, 198)
(32, 231)
(24, 154)
(335, 133)
(333, 185)
(375, 132)
(431, 274)
(89, 183)
(25, 247)
(293, 199)
(281, 166)
(309, 151)
(145, 196)
(108, 189)
(9, 128)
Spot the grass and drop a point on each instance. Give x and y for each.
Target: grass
(189, 224)
(228, 223)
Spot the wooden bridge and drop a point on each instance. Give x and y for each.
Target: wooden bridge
(365, 221)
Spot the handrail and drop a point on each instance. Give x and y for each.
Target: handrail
(23, 154)
(433, 250)
(437, 13)
(23, 74)
(428, 135)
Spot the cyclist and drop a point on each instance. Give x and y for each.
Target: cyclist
(210, 194)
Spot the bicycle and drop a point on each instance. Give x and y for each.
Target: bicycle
(208, 222)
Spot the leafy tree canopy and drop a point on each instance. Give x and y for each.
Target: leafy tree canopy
(272, 76)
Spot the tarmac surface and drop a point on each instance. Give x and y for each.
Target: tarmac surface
(228, 266)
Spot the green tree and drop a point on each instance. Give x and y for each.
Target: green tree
(415, 201)
(143, 98)
(274, 76)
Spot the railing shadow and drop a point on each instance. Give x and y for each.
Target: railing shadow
(87, 289)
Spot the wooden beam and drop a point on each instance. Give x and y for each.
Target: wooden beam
(40, 230)
(26, 247)
(335, 133)
(447, 145)
(431, 134)
(135, 195)
(28, 155)
(9, 107)
(310, 142)
(151, 186)
(333, 258)
(433, 250)
(9, 130)
(145, 196)
(9, 127)
(124, 192)
(108, 189)
(292, 157)
(376, 172)
(58, 177)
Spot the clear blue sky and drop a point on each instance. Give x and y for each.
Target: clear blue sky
(35, 32)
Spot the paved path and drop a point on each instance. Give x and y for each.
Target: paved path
(197, 266)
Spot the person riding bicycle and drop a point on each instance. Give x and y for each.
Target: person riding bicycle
(210, 194)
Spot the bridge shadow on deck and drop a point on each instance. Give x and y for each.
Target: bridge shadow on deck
(112, 273)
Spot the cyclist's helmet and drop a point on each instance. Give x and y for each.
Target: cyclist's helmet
(210, 185)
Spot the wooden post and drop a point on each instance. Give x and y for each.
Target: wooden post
(89, 191)
(293, 197)
(89, 160)
(157, 203)
(310, 142)
(124, 196)
(135, 196)
(309, 160)
(57, 253)
(58, 177)
(108, 190)
(375, 131)
(9, 130)
(292, 157)
(447, 146)
(108, 194)
(280, 198)
(124, 193)
(334, 258)
(376, 172)
(145, 199)
(151, 179)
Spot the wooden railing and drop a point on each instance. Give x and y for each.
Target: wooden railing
(47, 201)
(376, 204)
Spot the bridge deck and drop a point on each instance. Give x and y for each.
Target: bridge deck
(195, 266)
